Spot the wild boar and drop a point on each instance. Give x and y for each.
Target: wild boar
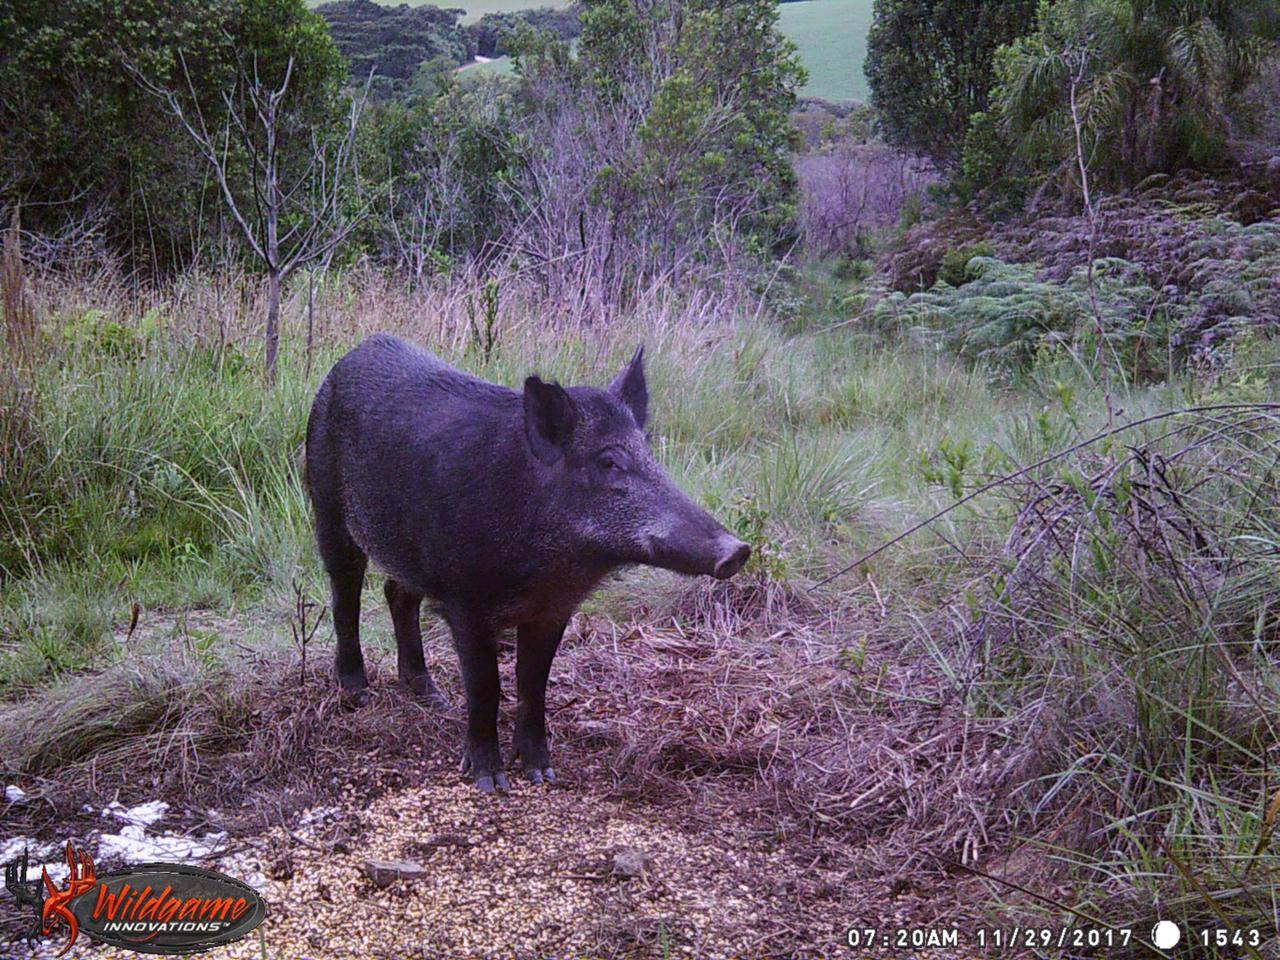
(504, 508)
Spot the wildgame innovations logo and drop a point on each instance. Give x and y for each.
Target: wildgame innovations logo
(164, 908)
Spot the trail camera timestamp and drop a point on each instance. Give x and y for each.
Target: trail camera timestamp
(987, 938)
(902, 938)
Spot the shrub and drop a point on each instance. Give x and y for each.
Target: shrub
(930, 66)
(1128, 622)
(1155, 86)
(1001, 313)
(955, 264)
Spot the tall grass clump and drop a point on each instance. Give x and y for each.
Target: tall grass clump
(1124, 635)
(19, 436)
(160, 472)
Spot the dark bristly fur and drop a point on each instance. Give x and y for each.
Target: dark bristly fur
(503, 508)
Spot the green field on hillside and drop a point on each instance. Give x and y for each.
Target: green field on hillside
(501, 67)
(832, 37)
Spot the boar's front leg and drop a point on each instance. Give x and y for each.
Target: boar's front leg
(477, 646)
(536, 645)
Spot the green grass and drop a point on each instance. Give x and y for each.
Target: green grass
(478, 8)
(168, 478)
(500, 67)
(832, 37)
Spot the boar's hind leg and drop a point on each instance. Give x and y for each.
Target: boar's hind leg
(406, 609)
(477, 649)
(345, 564)
(536, 645)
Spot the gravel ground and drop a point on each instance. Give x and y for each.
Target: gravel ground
(538, 873)
(531, 874)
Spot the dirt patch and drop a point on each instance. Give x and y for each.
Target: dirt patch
(536, 873)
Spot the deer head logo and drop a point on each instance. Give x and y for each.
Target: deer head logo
(52, 905)
(27, 892)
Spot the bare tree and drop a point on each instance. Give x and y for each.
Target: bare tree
(850, 191)
(295, 214)
(428, 207)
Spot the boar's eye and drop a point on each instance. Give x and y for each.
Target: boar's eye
(611, 461)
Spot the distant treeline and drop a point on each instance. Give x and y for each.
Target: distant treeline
(397, 43)
(493, 31)
(158, 135)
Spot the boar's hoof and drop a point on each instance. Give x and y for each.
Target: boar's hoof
(355, 699)
(486, 778)
(543, 775)
(486, 784)
(424, 689)
(532, 754)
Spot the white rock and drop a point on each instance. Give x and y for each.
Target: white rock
(10, 850)
(15, 794)
(132, 845)
(144, 814)
(315, 814)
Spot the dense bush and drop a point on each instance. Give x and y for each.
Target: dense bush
(851, 192)
(1002, 314)
(645, 157)
(1190, 286)
(439, 167)
(929, 64)
(493, 33)
(393, 42)
(1137, 87)
(88, 152)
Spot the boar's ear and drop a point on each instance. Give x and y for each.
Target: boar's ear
(630, 388)
(549, 419)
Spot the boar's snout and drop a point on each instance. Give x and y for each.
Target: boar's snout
(733, 556)
(689, 540)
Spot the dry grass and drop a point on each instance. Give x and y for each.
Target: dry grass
(1125, 633)
(779, 790)
(803, 717)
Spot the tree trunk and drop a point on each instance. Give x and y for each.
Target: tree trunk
(274, 202)
(273, 323)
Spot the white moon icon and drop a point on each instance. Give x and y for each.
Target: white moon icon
(1165, 935)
